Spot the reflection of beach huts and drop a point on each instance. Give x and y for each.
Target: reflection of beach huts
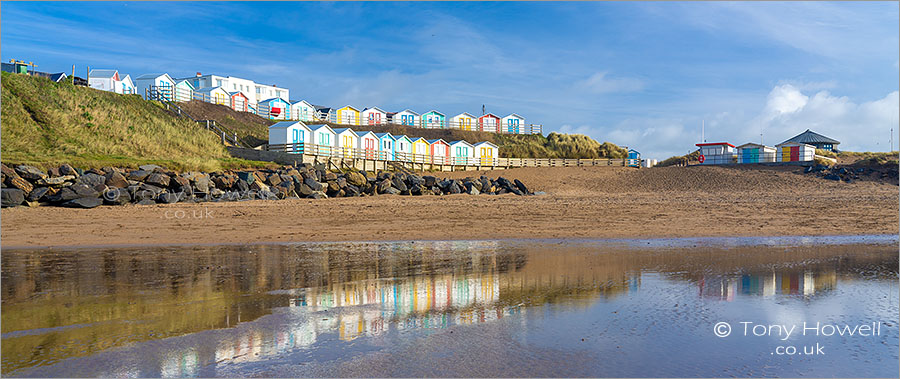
(794, 152)
(755, 153)
(461, 152)
(486, 152)
(323, 137)
(402, 148)
(716, 153)
(462, 121)
(433, 119)
(348, 115)
(373, 116)
(289, 132)
(346, 140)
(512, 123)
(385, 146)
(406, 117)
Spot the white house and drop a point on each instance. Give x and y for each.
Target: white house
(254, 91)
(302, 110)
(124, 86)
(406, 117)
(716, 153)
(368, 143)
(402, 148)
(293, 133)
(104, 80)
(323, 138)
(155, 86)
(512, 124)
(346, 140)
(462, 121)
(325, 113)
(385, 146)
(373, 116)
(486, 152)
(461, 152)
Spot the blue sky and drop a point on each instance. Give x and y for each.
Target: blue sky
(640, 74)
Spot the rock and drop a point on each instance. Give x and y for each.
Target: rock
(414, 180)
(436, 190)
(415, 189)
(30, 172)
(116, 196)
(472, 190)
(40, 194)
(288, 185)
(19, 183)
(273, 179)
(146, 202)
(266, 195)
(65, 169)
(392, 191)
(399, 184)
(430, 181)
(115, 179)
(83, 202)
(330, 176)
(259, 186)
(383, 185)
(168, 198)
(304, 190)
(516, 191)
(201, 183)
(246, 176)
(350, 190)
(314, 185)
(333, 186)
(356, 179)
(342, 181)
(224, 182)
(832, 177)
(11, 197)
(158, 179)
(64, 194)
(521, 186)
(539, 193)
(318, 195)
(149, 167)
(6, 171)
(240, 185)
(146, 192)
(454, 187)
(56, 181)
(138, 175)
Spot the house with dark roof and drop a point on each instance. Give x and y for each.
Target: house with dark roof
(810, 137)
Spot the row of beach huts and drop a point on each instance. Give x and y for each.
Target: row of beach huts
(297, 137)
(801, 148)
(273, 102)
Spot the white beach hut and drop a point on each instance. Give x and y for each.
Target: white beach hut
(794, 152)
(323, 138)
(462, 121)
(302, 110)
(402, 148)
(421, 150)
(486, 152)
(373, 116)
(368, 144)
(406, 117)
(755, 153)
(716, 153)
(461, 152)
(346, 141)
(294, 134)
(385, 146)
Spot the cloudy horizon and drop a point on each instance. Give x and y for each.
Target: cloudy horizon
(643, 75)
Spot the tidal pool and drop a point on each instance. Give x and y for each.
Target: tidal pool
(644, 308)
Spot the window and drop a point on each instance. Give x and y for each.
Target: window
(233, 86)
(218, 82)
(257, 89)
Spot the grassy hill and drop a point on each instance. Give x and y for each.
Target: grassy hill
(47, 123)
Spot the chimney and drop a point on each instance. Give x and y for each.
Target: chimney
(198, 74)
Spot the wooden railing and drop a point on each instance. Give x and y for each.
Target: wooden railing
(474, 125)
(354, 153)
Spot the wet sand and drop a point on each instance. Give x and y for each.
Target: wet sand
(580, 203)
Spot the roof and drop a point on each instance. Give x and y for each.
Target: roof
(419, 138)
(489, 114)
(465, 114)
(390, 113)
(320, 126)
(341, 130)
(630, 150)
(751, 144)
(811, 137)
(407, 111)
(794, 144)
(286, 124)
(459, 141)
(272, 99)
(58, 76)
(375, 108)
(154, 76)
(486, 142)
(187, 82)
(514, 115)
(320, 108)
(351, 107)
(403, 136)
(382, 135)
(98, 73)
(210, 89)
(715, 144)
(434, 141)
(236, 93)
(434, 111)
(362, 133)
(301, 101)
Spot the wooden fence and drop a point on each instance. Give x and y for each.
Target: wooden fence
(333, 152)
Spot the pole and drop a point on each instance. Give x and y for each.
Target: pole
(703, 132)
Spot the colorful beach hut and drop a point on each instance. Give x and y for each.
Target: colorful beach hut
(156, 86)
(433, 119)
(184, 91)
(275, 108)
(215, 95)
(755, 153)
(368, 144)
(489, 123)
(402, 148)
(794, 152)
(406, 117)
(292, 133)
(716, 153)
(373, 116)
(462, 121)
(385, 146)
(124, 86)
(511, 123)
(634, 158)
(239, 101)
(323, 138)
(486, 152)
(461, 152)
(440, 150)
(324, 113)
(421, 150)
(302, 110)
(348, 115)
(346, 140)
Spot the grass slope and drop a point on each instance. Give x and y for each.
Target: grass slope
(46, 124)
(251, 129)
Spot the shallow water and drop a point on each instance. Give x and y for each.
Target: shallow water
(467, 308)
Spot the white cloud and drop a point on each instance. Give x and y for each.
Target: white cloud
(784, 99)
(601, 82)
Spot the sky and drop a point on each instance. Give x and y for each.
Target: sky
(647, 75)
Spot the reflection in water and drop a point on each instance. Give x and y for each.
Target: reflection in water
(61, 305)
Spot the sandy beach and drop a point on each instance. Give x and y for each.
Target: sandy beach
(580, 203)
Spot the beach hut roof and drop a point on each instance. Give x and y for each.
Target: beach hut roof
(58, 76)
(465, 114)
(407, 111)
(366, 132)
(515, 115)
(185, 81)
(489, 114)
(795, 144)
(751, 144)
(417, 139)
(460, 141)
(341, 130)
(375, 108)
(286, 124)
(301, 101)
(351, 107)
(317, 127)
(101, 73)
(382, 135)
(210, 89)
(435, 112)
(434, 141)
(402, 137)
(811, 137)
(487, 143)
(715, 144)
(273, 99)
(156, 75)
(233, 93)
